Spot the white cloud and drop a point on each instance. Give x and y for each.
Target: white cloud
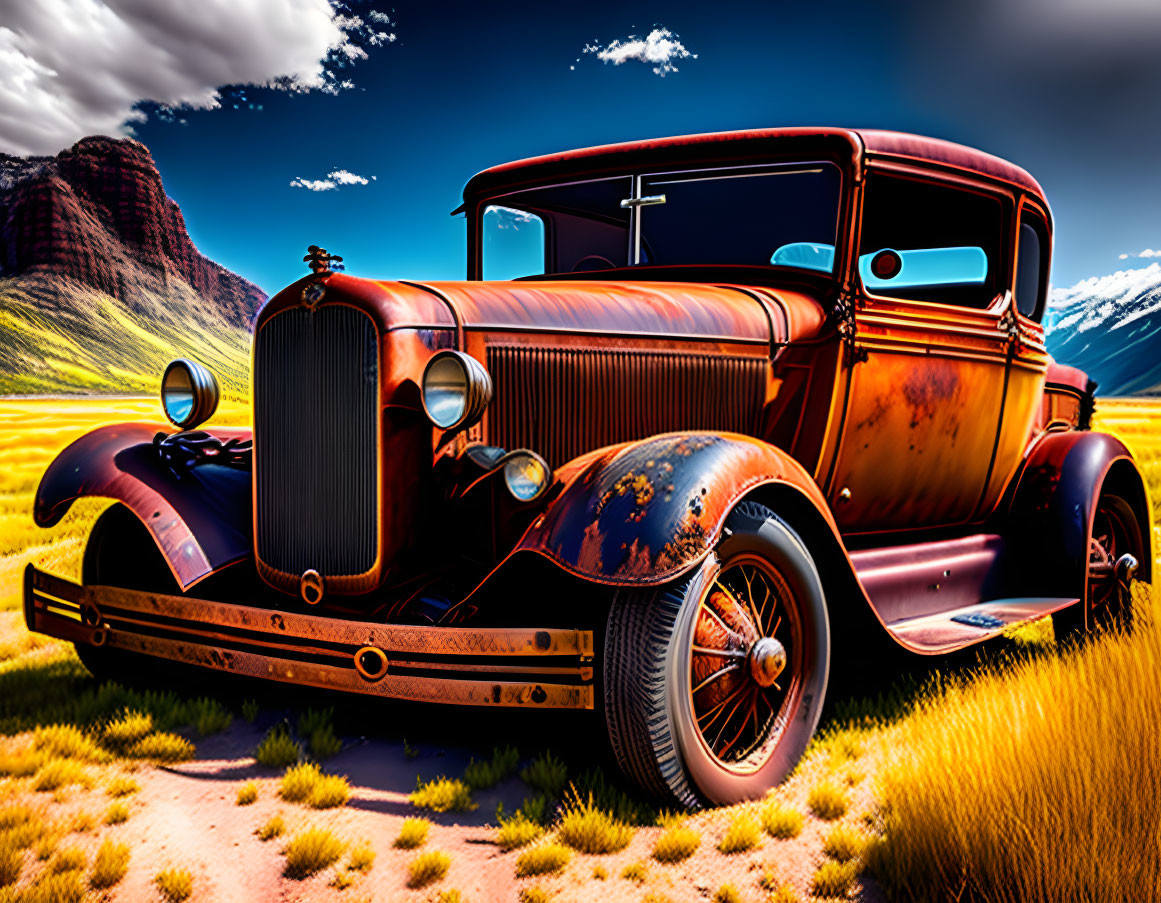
(1148, 252)
(660, 48)
(334, 179)
(70, 68)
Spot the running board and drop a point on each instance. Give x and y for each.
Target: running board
(950, 630)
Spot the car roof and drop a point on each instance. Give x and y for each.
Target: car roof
(739, 145)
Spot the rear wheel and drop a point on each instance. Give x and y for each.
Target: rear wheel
(1107, 601)
(121, 552)
(713, 686)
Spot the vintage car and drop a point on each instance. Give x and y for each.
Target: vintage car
(708, 416)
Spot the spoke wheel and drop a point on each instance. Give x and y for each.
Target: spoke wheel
(745, 662)
(1115, 532)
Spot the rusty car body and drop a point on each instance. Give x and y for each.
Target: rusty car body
(707, 414)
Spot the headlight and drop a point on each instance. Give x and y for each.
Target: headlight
(189, 394)
(456, 390)
(526, 475)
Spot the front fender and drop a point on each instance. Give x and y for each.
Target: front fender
(645, 512)
(200, 520)
(1053, 504)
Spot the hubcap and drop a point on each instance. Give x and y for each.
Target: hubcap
(744, 662)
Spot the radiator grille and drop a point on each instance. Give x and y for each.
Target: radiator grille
(564, 402)
(316, 427)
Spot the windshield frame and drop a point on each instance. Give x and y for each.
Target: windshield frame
(638, 176)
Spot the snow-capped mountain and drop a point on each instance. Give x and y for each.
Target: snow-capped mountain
(1110, 327)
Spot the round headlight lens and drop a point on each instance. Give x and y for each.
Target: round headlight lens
(526, 475)
(456, 390)
(189, 394)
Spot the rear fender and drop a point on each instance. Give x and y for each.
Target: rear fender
(1053, 503)
(644, 513)
(200, 520)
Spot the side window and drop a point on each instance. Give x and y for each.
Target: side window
(513, 243)
(943, 244)
(1032, 266)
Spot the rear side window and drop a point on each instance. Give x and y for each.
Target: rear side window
(1032, 266)
(946, 241)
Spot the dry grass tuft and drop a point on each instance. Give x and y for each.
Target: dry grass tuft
(122, 786)
(742, 834)
(784, 893)
(546, 774)
(542, 860)
(844, 843)
(600, 872)
(247, 793)
(781, 821)
(412, 833)
(827, 800)
(70, 859)
(676, 843)
(362, 858)
(635, 871)
(175, 884)
(82, 823)
(442, 795)
(127, 729)
(162, 747)
(67, 741)
(517, 831)
(324, 743)
(117, 813)
(834, 879)
(208, 716)
(427, 868)
(62, 887)
(341, 880)
(57, 773)
(502, 765)
(1076, 734)
(311, 851)
(250, 710)
(727, 893)
(534, 894)
(277, 749)
(587, 828)
(109, 865)
(450, 896)
(275, 827)
(306, 783)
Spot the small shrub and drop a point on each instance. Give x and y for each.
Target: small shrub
(834, 879)
(175, 884)
(69, 859)
(250, 710)
(412, 833)
(362, 858)
(109, 865)
(517, 831)
(781, 821)
(482, 775)
(57, 773)
(306, 783)
(324, 744)
(541, 860)
(442, 795)
(534, 894)
(277, 749)
(727, 893)
(427, 868)
(122, 786)
(117, 814)
(589, 829)
(341, 880)
(844, 843)
(742, 834)
(126, 729)
(546, 774)
(635, 871)
(247, 793)
(676, 843)
(332, 790)
(827, 801)
(311, 851)
(275, 827)
(162, 747)
(208, 716)
(82, 823)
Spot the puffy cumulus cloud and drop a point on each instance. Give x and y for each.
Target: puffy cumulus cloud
(1148, 252)
(70, 68)
(335, 179)
(660, 48)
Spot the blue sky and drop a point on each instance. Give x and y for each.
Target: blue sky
(1054, 85)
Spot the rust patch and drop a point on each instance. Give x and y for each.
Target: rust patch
(636, 563)
(589, 558)
(688, 542)
(928, 390)
(636, 484)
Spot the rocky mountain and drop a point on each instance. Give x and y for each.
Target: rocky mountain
(100, 283)
(1110, 327)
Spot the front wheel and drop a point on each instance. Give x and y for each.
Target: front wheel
(713, 686)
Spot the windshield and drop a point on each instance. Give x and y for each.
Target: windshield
(774, 215)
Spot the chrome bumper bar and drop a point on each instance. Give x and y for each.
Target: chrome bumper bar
(548, 668)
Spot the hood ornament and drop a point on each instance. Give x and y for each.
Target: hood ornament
(321, 260)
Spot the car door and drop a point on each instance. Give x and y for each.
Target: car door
(928, 355)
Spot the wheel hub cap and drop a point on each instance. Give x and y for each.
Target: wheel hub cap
(767, 660)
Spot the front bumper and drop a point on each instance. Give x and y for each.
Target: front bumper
(549, 668)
